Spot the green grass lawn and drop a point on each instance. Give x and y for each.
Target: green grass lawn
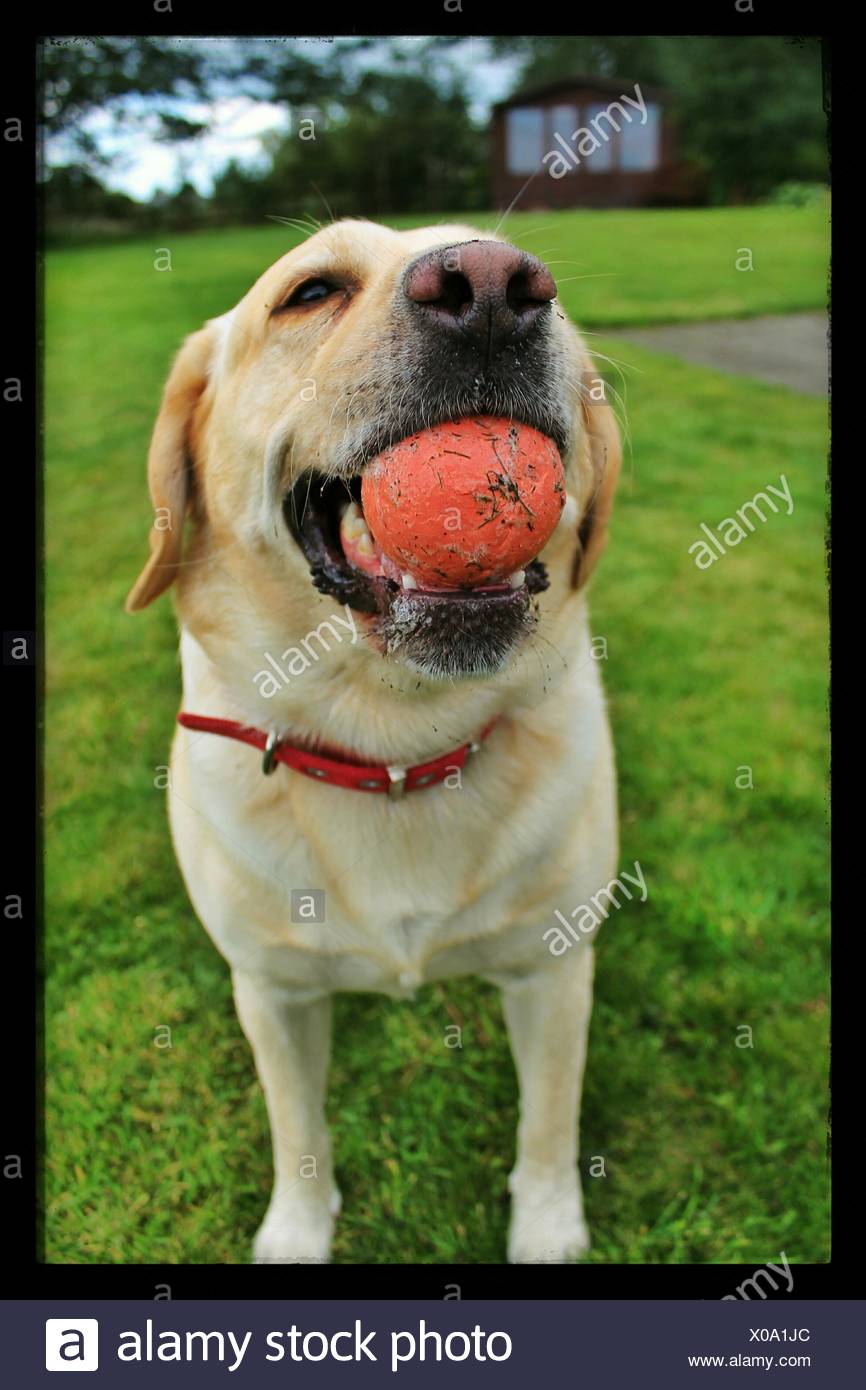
(612, 268)
(713, 1152)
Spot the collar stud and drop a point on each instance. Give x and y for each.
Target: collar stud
(269, 757)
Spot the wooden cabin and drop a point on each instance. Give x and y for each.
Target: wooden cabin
(586, 142)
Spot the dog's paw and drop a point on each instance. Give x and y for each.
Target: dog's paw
(299, 1233)
(547, 1228)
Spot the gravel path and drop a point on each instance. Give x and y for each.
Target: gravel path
(783, 349)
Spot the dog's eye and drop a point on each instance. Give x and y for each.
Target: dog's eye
(310, 292)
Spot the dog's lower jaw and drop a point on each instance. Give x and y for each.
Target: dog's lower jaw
(457, 640)
(297, 1230)
(547, 1222)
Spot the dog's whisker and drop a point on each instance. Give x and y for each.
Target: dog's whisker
(594, 275)
(533, 231)
(514, 201)
(328, 207)
(308, 226)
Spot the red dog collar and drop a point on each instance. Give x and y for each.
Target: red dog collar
(340, 772)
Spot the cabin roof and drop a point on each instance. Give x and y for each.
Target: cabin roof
(609, 86)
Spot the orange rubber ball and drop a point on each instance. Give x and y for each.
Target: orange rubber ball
(466, 503)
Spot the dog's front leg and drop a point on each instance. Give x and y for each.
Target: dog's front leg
(291, 1045)
(548, 1020)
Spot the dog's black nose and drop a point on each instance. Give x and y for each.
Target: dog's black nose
(487, 291)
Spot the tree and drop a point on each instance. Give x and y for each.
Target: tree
(373, 127)
(547, 59)
(126, 78)
(72, 192)
(241, 195)
(396, 141)
(79, 76)
(749, 110)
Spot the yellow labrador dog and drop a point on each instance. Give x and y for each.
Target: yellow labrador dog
(376, 786)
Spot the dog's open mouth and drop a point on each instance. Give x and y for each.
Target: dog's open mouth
(326, 518)
(446, 631)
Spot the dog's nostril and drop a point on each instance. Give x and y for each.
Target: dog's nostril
(518, 294)
(435, 286)
(529, 288)
(456, 295)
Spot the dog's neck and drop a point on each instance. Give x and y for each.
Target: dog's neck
(385, 722)
(378, 710)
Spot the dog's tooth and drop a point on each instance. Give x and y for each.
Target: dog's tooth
(353, 522)
(364, 543)
(516, 579)
(409, 582)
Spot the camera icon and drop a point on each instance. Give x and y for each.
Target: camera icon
(71, 1344)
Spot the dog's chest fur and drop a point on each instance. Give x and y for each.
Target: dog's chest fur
(450, 881)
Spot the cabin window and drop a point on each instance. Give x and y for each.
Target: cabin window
(562, 121)
(639, 145)
(600, 160)
(524, 139)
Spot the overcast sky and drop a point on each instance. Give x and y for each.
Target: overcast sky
(140, 164)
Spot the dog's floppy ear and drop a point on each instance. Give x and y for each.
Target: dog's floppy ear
(168, 468)
(602, 459)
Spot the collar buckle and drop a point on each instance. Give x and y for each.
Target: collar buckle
(397, 783)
